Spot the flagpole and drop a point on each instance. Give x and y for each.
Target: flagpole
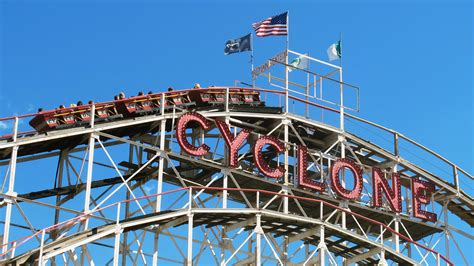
(251, 59)
(286, 59)
(341, 89)
(341, 110)
(340, 48)
(287, 30)
(287, 109)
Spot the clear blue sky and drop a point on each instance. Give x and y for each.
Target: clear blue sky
(413, 60)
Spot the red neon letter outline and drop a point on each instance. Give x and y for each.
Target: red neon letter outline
(258, 157)
(232, 143)
(379, 184)
(336, 185)
(181, 133)
(418, 197)
(303, 174)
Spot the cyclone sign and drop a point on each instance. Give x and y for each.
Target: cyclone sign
(380, 185)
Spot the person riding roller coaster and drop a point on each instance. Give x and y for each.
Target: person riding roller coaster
(144, 104)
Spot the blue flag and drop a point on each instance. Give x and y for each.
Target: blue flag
(241, 44)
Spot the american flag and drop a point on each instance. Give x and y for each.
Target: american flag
(273, 26)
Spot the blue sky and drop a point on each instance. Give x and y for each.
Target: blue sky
(413, 60)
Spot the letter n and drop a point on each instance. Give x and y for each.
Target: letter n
(393, 195)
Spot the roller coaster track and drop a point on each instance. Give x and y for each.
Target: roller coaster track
(296, 227)
(340, 231)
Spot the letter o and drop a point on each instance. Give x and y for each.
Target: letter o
(336, 182)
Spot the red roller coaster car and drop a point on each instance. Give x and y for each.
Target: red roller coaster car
(144, 104)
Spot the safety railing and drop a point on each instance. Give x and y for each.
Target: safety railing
(457, 177)
(413, 152)
(19, 127)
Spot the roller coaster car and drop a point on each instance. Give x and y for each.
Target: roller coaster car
(151, 103)
(251, 97)
(74, 116)
(140, 105)
(217, 96)
(178, 99)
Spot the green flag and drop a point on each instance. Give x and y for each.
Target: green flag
(334, 51)
(299, 62)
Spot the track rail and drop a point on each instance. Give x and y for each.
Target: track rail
(192, 189)
(453, 180)
(31, 145)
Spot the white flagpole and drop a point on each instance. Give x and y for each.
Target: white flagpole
(287, 109)
(341, 89)
(286, 59)
(341, 110)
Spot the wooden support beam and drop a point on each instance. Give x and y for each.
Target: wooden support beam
(363, 256)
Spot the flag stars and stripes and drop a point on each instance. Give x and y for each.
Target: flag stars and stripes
(273, 26)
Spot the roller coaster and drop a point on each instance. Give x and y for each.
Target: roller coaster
(229, 176)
